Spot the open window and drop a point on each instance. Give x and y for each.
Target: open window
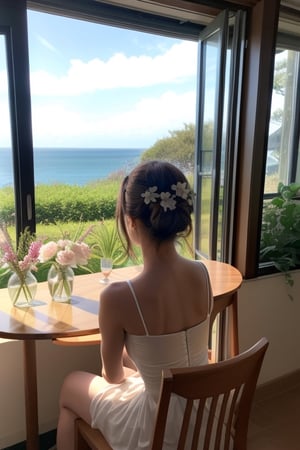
(280, 235)
(221, 47)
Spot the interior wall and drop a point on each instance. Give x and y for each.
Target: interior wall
(53, 364)
(269, 307)
(264, 309)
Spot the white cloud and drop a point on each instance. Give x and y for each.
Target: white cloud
(119, 71)
(56, 122)
(149, 120)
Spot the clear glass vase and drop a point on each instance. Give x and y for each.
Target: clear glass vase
(60, 283)
(22, 288)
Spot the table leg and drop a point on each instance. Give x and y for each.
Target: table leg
(234, 336)
(228, 342)
(30, 388)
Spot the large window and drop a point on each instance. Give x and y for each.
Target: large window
(234, 203)
(280, 236)
(111, 81)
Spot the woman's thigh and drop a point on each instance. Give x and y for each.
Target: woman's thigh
(77, 392)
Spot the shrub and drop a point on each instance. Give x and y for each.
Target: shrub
(61, 202)
(280, 236)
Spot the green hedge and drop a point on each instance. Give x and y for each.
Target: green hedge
(61, 202)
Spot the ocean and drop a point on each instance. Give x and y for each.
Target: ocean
(72, 165)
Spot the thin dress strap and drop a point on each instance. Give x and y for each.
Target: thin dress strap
(138, 307)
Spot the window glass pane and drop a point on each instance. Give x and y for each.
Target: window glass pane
(209, 88)
(101, 96)
(279, 157)
(280, 241)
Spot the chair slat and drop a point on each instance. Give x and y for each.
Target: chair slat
(185, 424)
(198, 423)
(232, 410)
(210, 421)
(221, 419)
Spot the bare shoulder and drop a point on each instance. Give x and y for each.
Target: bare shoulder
(114, 292)
(195, 266)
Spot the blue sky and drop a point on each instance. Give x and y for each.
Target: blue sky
(99, 86)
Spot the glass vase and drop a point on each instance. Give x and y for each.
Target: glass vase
(22, 288)
(60, 283)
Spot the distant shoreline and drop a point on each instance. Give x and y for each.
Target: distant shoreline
(75, 166)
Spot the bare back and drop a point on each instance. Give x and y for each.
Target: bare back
(171, 297)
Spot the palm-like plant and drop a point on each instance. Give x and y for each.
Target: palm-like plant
(107, 244)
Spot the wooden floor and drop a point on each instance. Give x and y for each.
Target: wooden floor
(275, 417)
(274, 423)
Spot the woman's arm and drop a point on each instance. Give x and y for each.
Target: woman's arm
(111, 319)
(127, 361)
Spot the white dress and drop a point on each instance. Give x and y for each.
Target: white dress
(125, 412)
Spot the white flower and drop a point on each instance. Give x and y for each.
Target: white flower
(181, 190)
(150, 195)
(167, 201)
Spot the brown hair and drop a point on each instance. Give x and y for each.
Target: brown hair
(162, 224)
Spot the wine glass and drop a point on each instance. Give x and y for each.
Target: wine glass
(106, 267)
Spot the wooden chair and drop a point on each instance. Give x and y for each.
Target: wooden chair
(225, 389)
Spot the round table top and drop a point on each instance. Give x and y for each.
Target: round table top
(47, 319)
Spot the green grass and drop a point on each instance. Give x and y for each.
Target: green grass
(68, 210)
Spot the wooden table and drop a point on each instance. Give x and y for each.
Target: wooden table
(48, 320)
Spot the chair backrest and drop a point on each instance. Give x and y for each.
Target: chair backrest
(218, 401)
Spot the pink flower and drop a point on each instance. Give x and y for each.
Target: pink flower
(64, 243)
(66, 258)
(48, 251)
(9, 257)
(65, 252)
(34, 250)
(82, 253)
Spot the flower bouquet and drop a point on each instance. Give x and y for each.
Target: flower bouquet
(63, 255)
(22, 284)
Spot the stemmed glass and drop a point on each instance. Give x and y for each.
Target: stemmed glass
(106, 265)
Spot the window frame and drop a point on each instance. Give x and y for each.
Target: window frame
(254, 126)
(290, 42)
(14, 28)
(258, 73)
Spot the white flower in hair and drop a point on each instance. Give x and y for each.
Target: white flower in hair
(150, 195)
(167, 201)
(181, 190)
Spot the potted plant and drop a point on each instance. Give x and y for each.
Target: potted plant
(280, 235)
